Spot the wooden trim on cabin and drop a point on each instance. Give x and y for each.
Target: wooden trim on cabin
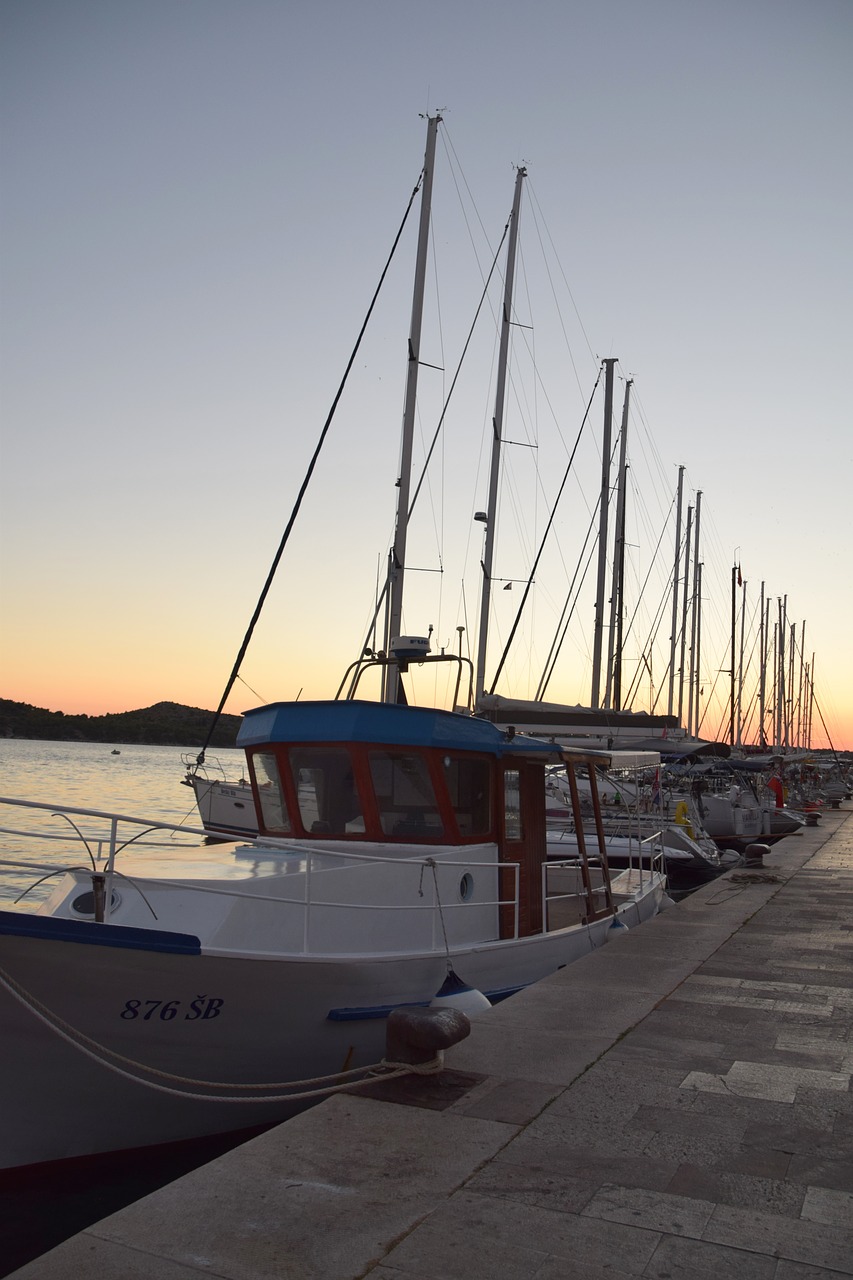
(527, 847)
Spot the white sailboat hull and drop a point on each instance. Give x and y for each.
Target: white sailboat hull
(225, 806)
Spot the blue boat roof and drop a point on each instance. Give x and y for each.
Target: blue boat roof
(385, 723)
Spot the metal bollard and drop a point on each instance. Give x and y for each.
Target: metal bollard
(755, 853)
(416, 1035)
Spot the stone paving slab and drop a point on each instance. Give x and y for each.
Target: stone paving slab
(676, 1106)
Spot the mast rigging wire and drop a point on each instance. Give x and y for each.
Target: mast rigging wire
(304, 486)
(383, 594)
(535, 565)
(567, 612)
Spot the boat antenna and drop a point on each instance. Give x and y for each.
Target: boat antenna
(312, 464)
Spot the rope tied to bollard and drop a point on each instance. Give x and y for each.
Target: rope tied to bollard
(386, 1069)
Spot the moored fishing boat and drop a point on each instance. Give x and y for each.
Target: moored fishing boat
(151, 998)
(159, 996)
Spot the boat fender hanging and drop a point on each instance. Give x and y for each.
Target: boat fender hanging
(682, 817)
(456, 994)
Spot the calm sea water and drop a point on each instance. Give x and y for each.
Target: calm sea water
(143, 782)
(39, 1208)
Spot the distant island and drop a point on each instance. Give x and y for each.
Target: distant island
(166, 724)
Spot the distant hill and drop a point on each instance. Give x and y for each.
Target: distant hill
(166, 724)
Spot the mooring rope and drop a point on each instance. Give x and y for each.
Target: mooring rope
(383, 1070)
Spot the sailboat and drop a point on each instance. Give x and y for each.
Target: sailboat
(155, 997)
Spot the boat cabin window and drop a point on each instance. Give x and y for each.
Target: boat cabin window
(512, 805)
(273, 809)
(468, 783)
(405, 796)
(326, 792)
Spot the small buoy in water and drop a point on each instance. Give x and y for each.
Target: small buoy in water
(456, 994)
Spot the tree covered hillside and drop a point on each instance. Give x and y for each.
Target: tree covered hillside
(165, 724)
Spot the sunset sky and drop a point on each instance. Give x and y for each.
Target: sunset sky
(198, 198)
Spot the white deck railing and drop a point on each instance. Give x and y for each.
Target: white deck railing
(109, 847)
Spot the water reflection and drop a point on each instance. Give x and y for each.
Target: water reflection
(143, 782)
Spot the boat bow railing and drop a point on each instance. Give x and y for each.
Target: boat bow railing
(104, 852)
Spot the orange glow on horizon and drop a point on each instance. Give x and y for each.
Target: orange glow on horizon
(94, 697)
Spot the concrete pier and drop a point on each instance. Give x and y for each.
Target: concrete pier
(675, 1105)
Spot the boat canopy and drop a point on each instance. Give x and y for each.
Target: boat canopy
(555, 715)
(612, 759)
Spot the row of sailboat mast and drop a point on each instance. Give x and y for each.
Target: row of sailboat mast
(391, 691)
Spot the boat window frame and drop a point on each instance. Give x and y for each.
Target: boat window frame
(406, 827)
(513, 825)
(491, 764)
(257, 790)
(359, 754)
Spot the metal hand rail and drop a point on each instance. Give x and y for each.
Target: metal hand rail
(310, 855)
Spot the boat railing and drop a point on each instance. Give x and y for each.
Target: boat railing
(640, 848)
(591, 900)
(657, 854)
(105, 868)
(212, 770)
(383, 661)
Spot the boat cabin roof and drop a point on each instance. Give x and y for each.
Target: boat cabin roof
(378, 722)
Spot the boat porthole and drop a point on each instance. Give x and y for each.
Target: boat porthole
(84, 903)
(466, 887)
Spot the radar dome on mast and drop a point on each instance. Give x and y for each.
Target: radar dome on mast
(409, 648)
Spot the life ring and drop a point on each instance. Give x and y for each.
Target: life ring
(682, 817)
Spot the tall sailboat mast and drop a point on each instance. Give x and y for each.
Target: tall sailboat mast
(397, 559)
(694, 619)
(674, 634)
(598, 633)
(740, 664)
(800, 717)
(617, 589)
(762, 658)
(781, 731)
(497, 426)
(733, 667)
(683, 642)
(698, 661)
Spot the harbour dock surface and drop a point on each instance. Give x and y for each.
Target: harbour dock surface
(676, 1105)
